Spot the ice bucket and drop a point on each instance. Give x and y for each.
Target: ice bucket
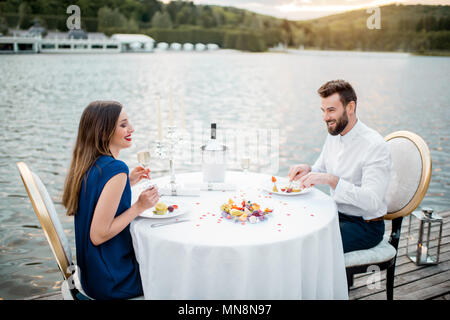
(214, 163)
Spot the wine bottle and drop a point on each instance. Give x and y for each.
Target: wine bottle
(213, 145)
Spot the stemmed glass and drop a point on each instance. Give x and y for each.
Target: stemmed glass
(245, 164)
(144, 160)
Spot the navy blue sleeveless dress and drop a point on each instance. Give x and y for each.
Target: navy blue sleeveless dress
(109, 270)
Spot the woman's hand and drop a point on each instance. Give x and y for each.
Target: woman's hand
(137, 174)
(148, 198)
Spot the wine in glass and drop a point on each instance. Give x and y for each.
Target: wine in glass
(245, 163)
(144, 160)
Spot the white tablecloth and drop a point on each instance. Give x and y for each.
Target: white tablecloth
(295, 254)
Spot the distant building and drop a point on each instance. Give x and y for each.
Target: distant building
(134, 42)
(36, 30)
(77, 34)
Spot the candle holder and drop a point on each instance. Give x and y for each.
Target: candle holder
(424, 248)
(166, 149)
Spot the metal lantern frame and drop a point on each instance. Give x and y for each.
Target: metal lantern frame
(426, 220)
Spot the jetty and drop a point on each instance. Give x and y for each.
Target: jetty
(117, 43)
(411, 282)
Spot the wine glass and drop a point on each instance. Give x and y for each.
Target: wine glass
(245, 163)
(144, 160)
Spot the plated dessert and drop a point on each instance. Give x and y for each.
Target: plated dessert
(282, 186)
(162, 208)
(246, 211)
(289, 188)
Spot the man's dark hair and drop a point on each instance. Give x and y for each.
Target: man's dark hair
(345, 90)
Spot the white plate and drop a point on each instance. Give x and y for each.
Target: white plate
(282, 182)
(182, 209)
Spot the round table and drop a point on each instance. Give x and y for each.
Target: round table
(296, 254)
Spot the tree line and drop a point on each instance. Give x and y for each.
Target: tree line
(414, 28)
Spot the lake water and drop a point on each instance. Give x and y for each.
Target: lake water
(42, 97)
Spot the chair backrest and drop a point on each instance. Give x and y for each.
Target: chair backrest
(411, 173)
(45, 210)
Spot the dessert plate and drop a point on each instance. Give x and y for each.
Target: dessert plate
(283, 183)
(183, 207)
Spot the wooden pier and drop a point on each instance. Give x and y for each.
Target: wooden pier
(411, 282)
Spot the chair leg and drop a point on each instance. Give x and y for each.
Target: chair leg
(390, 282)
(349, 279)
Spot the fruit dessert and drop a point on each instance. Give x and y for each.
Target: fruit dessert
(162, 208)
(246, 212)
(286, 189)
(274, 180)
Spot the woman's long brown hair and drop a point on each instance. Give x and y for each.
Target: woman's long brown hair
(96, 128)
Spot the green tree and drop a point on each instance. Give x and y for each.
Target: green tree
(3, 26)
(108, 18)
(184, 16)
(205, 18)
(25, 18)
(162, 20)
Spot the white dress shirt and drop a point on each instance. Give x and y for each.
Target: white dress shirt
(362, 161)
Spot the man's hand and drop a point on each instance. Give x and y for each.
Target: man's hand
(298, 171)
(313, 178)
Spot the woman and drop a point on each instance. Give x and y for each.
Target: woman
(97, 191)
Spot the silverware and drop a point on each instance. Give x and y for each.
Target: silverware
(167, 223)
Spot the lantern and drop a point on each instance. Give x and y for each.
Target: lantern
(424, 237)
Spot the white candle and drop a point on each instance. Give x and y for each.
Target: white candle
(423, 254)
(159, 121)
(171, 108)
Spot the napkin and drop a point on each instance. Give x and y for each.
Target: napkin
(179, 191)
(212, 186)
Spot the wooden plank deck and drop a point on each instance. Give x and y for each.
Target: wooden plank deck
(411, 282)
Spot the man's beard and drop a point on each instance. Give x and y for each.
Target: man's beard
(340, 125)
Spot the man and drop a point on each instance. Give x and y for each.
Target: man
(356, 163)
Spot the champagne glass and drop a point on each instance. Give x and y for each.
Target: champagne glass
(144, 160)
(245, 163)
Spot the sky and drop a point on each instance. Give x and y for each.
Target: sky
(308, 9)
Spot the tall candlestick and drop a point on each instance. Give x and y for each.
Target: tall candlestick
(159, 121)
(183, 124)
(171, 108)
